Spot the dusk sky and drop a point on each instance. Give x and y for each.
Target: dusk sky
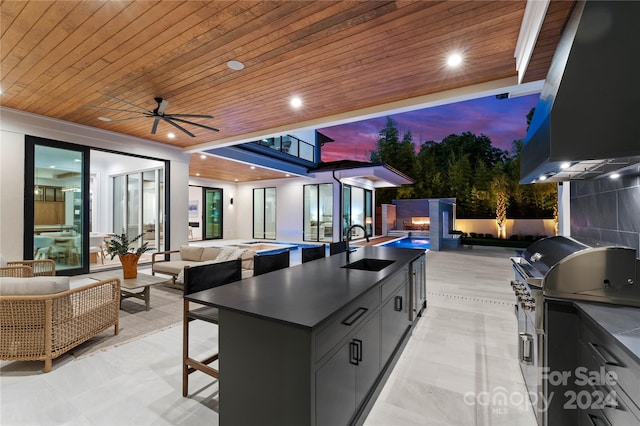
(502, 120)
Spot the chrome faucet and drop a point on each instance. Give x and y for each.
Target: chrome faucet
(348, 237)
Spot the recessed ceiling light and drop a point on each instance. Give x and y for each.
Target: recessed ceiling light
(287, 175)
(296, 102)
(565, 165)
(171, 135)
(543, 177)
(197, 174)
(203, 156)
(615, 175)
(235, 65)
(52, 167)
(236, 180)
(104, 119)
(253, 167)
(454, 60)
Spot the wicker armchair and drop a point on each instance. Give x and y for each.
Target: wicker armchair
(16, 271)
(41, 268)
(45, 326)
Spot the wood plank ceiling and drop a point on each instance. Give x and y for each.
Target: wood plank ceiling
(61, 58)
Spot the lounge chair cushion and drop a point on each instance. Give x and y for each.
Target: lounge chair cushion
(10, 286)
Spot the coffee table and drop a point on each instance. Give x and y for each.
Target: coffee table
(142, 281)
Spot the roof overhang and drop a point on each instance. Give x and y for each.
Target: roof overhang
(376, 175)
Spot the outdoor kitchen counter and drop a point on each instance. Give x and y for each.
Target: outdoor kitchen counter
(621, 322)
(314, 343)
(306, 295)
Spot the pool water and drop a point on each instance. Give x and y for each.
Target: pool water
(419, 243)
(295, 255)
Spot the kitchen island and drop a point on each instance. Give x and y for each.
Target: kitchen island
(313, 344)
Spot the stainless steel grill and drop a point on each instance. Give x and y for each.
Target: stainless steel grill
(563, 267)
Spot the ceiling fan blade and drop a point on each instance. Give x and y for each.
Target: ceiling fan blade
(127, 119)
(111, 109)
(156, 120)
(195, 124)
(178, 127)
(129, 103)
(188, 115)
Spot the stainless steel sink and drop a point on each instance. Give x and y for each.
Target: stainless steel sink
(368, 264)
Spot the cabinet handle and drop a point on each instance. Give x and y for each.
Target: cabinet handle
(397, 301)
(353, 353)
(600, 351)
(525, 340)
(355, 316)
(358, 343)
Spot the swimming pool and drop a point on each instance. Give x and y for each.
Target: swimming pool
(295, 255)
(422, 243)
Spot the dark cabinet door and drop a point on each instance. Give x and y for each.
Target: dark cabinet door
(335, 389)
(395, 321)
(369, 360)
(344, 381)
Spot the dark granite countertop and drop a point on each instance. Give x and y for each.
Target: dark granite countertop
(306, 295)
(622, 322)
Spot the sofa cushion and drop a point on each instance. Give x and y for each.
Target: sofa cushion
(172, 267)
(191, 253)
(247, 259)
(10, 286)
(210, 253)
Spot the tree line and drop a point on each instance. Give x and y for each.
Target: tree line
(484, 179)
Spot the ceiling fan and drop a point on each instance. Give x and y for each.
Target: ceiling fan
(158, 114)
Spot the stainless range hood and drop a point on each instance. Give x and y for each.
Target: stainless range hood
(587, 121)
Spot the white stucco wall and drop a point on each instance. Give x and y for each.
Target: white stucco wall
(14, 125)
(229, 190)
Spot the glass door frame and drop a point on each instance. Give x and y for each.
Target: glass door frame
(29, 178)
(264, 213)
(206, 189)
(29, 203)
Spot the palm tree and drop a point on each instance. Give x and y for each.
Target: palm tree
(500, 191)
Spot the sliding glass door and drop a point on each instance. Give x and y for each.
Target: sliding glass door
(212, 213)
(318, 212)
(138, 203)
(56, 196)
(264, 213)
(357, 208)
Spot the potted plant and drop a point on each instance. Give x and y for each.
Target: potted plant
(120, 245)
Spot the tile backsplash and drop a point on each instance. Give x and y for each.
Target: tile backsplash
(606, 212)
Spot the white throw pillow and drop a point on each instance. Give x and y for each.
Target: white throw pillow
(229, 253)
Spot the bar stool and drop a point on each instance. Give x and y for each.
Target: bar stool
(270, 262)
(338, 247)
(196, 279)
(313, 253)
